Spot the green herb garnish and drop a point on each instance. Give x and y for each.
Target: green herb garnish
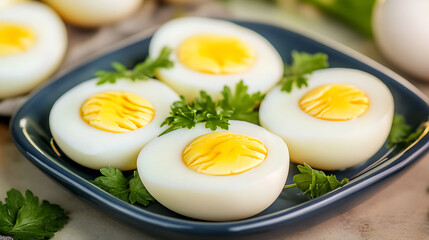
(127, 189)
(141, 71)
(400, 133)
(239, 105)
(23, 218)
(203, 109)
(314, 183)
(302, 65)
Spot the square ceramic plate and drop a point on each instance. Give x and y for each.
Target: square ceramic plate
(31, 134)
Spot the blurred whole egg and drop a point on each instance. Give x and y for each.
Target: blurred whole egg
(185, 2)
(401, 29)
(5, 3)
(93, 13)
(33, 41)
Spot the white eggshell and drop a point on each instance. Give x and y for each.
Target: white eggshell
(401, 29)
(94, 13)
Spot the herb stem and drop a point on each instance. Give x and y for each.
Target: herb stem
(289, 186)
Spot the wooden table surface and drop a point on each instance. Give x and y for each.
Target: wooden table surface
(400, 210)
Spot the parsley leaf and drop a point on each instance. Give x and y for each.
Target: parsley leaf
(237, 105)
(113, 182)
(400, 133)
(210, 112)
(314, 183)
(22, 217)
(182, 115)
(302, 65)
(414, 135)
(241, 103)
(129, 190)
(141, 71)
(203, 109)
(138, 192)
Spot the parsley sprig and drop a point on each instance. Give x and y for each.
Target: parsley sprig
(22, 217)
(141, 71)
(303, 64)
(400, 133)
(314, 183)
(129, 189)
(241, 103)
(203, 109)
(237, 105)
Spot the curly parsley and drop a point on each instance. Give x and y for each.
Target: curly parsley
(237, 105)
(127, 189)
(314, 183)
(141, 71)
(303, 64)
(241, 103)
(22, 217)
(203, 109)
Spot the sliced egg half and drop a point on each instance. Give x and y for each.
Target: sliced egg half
(340, 120)
(209, 54)
(33, 41)
(107, 125)
(217, 176)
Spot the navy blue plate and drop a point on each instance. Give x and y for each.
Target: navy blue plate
(31, 134)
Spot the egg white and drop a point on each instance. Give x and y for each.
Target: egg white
(95, 148)
(208, 197)
(19, 73)
(262, 76)
(330, 145)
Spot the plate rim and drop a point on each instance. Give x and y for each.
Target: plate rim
(259, 223)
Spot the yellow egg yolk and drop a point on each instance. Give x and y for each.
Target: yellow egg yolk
(216, 54)
(117, 111)
(223, 153)
(335, 102)
(15, 38)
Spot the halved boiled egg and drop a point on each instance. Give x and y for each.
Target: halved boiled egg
(217, 175)
(107, 125)
(33, 41)
(340, 120)
(209, 54)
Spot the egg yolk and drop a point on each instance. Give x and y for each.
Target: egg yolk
(223, 153)
(335, 102)
(15, 38)
(216, 54)
(117, 111)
